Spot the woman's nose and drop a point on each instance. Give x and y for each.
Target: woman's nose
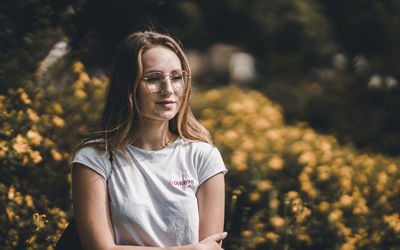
(167, 86)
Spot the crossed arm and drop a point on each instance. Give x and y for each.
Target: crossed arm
(90, 200)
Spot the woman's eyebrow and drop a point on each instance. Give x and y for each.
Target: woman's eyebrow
(152, 71)
(158, 71)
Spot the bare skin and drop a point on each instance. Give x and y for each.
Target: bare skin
(90, 196)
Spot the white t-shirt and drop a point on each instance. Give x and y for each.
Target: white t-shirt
(153, 199)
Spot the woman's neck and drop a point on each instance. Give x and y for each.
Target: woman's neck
(155, 135)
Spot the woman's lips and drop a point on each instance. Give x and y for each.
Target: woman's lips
(166, 104)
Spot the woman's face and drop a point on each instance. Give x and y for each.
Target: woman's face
(164, 104)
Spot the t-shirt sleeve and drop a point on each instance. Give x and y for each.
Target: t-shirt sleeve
(95, 160)
(211, 163)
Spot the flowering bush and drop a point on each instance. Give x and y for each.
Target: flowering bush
(290, 188)
(287, 187)
(38, 131)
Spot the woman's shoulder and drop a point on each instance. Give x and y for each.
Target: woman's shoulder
(92, 156)
(91, 149)
(199, 147)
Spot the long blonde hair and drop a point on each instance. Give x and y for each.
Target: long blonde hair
(121, 124)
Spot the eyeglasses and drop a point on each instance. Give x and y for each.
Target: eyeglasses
(155, 80)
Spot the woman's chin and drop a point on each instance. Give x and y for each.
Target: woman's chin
(164, 116)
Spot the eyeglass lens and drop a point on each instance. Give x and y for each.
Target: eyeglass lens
(155, 81)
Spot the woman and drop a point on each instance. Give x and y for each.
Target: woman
(152, 180)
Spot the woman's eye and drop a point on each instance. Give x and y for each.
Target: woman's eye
(176, 77)
(154, 78)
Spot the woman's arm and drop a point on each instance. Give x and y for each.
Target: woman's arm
(90, 200)
(211, 202)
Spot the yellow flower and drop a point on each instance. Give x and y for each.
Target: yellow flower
(300, 146)
(31, 239)
(335, 215)
(393, 221)
(228, 121)
(96, 81)
(239, 160)
(58, 121)
(323, 173)
(248, 144)
(235, 107)
(382, 178)
(254, 197)
(80, 94)
(63, 223)
(297, 205)
(247, 233)
(58, 108)
(264, 185)
(79, 84)
(84, 77)
(309, 135)
(212, 95)
(34, 137)
(273, 134)
(276, 162)
(78, 67)
(32, 115)
(48, 142)
(304, 237)
(258, 157)
(231, 137)
(349, 245)
(274, 115)
(10, 214)
(56, 155)
(249, 105)
(18, 198)
(273, 204)
(392, 169)
(2, 97)
(35, 156)
(21, 145)
(277, 221)
(11, 192)
(25, 98)
(261, 124)
(293, 195)
(39, 220)
(3, 148)
(260, 225)
(346, 200)
(260, 240)
(208, 113)
(271, 236)
(302, 214)
(29, 201)
(308, 158)
(208, 124)
(324, 206)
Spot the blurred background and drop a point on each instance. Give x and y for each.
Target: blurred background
(302, 98)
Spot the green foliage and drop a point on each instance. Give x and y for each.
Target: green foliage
(28, 29)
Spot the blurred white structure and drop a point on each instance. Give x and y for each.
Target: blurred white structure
(391, 82)
(223, 59)
(241, 67)
(59, 50)
(339, 62)
(360, 63)
(375, 82)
